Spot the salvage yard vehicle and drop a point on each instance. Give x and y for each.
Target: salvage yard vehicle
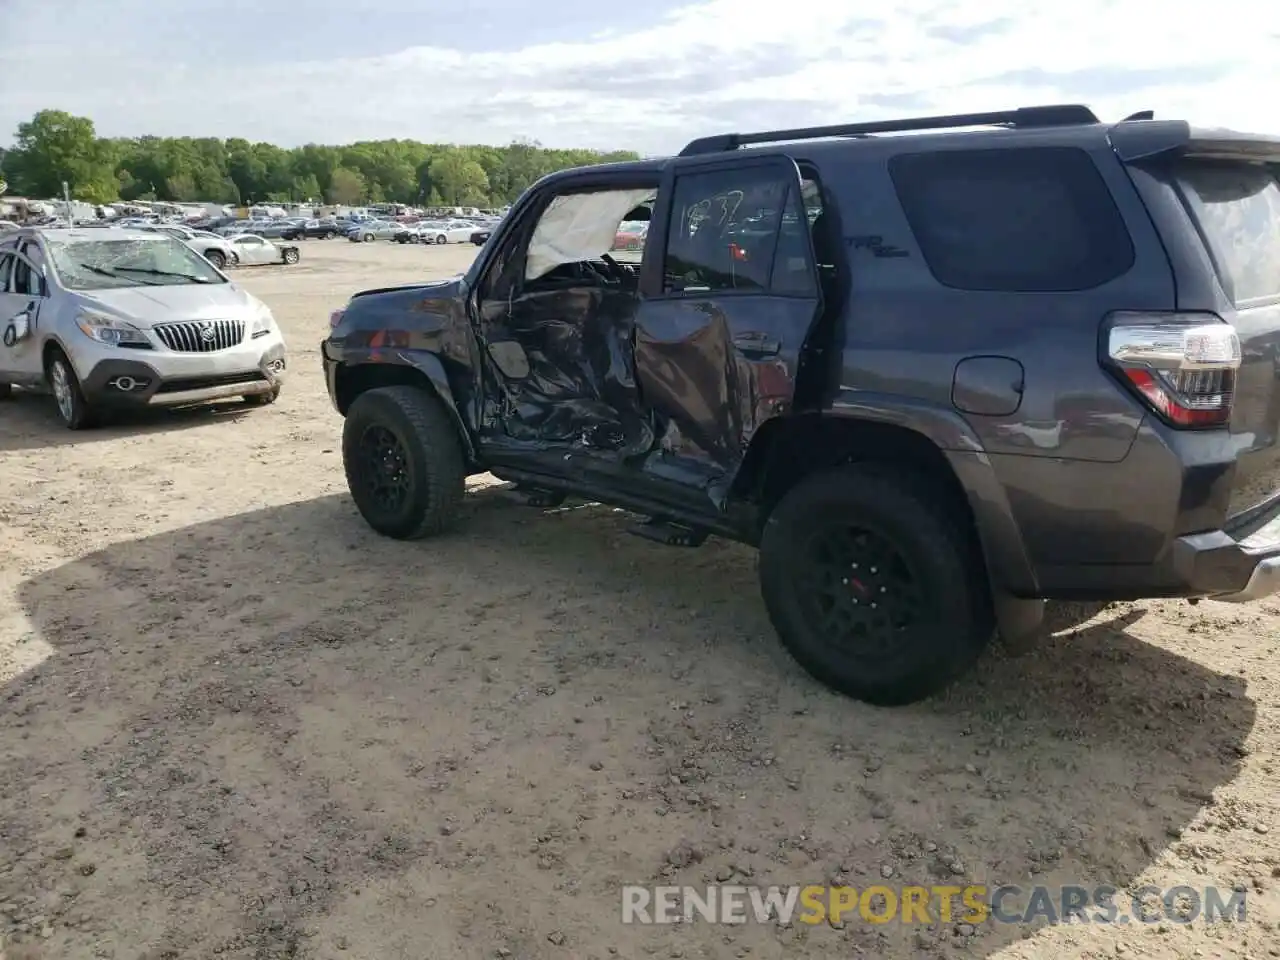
(114, 318)
(935, 378)
(253, 250)
(312, 230)
(369, 230)
(217, 250)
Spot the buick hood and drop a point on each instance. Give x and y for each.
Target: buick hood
(145, 306)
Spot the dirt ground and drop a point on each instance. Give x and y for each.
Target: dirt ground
(236, 723)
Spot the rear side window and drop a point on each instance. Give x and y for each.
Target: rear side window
(1036, 219)
(1237, 208)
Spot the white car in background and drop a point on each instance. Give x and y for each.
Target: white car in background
(217, 250)
(445, 231)
(252, 250)
(117, 318)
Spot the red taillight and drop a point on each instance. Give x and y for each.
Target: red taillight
(1182, 365)
(335, 318)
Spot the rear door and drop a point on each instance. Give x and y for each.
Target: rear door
(730, 292)
(1234, 205)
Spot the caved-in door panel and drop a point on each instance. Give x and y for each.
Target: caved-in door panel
(578, 384)
(715, 369)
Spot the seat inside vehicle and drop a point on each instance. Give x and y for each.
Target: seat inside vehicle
(559, 324)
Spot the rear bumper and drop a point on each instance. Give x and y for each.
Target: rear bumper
(1219, 566)
(1263, 582)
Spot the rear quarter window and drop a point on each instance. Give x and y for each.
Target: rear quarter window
(1033, 219)
(1236, 207)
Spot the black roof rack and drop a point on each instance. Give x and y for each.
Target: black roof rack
(1053, 115)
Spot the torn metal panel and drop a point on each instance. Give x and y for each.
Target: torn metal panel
(713, 369)
(566, 362)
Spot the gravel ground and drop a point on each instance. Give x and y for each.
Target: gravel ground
(236, 723)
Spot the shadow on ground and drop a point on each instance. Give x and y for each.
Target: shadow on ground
(278, 735)
(29, 421)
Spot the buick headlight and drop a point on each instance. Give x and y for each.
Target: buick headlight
(110, 330)
(263, 324)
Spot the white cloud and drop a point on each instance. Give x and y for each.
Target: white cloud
(715, 65)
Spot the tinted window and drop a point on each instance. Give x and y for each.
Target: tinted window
(23, 279)
(1238, 209)
(724, 229)
(1034, 219)
(791, 271)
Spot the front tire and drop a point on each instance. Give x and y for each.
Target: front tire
(369, 238)
(217, 258)
(873, 585)
(291, 257)
(6, 391)
(73, 409)
(404, 463)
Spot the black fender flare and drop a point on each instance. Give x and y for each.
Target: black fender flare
(946, 429)
(429, 367)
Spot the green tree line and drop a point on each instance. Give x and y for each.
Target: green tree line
(55, 146)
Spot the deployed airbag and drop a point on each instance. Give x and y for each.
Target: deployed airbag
(579, 226)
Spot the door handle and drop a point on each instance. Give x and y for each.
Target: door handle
(757, 344)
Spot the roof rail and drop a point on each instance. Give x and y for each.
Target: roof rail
(1140, 115)
(1047, 116)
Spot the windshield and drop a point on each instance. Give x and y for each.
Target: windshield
(96, 264)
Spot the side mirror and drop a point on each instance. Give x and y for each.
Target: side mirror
(17, 329)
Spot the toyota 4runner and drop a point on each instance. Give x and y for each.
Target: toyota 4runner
(936, 379)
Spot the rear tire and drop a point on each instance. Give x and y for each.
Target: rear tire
(217, 258)
(404, 462)
(73, 409)
(898, 606)
(6, 391)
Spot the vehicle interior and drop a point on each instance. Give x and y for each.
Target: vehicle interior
(558, 310)
(557, 315)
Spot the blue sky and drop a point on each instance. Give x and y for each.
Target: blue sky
(645, 76)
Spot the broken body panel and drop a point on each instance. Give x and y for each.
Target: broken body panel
(574, 370)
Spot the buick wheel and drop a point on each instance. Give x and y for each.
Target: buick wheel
(73, 409)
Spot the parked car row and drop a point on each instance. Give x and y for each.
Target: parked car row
(437, 231)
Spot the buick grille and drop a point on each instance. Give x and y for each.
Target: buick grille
(200, 336)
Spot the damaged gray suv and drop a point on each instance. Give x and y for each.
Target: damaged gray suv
(937, 379)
